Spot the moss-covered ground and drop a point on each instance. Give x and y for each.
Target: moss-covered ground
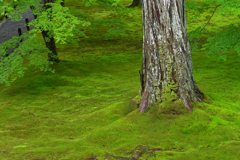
(87, 108)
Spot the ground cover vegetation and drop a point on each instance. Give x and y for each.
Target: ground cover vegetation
(88, 107)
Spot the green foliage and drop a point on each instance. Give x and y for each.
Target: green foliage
(223, 41)
(67, 23)
(62, 28)
(14, 62)
(219, 42)
(71, 22)
(64, 22)
(22, 6)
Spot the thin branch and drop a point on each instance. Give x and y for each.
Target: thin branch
(210, 18)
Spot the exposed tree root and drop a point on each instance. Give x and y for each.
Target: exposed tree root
(140, 149)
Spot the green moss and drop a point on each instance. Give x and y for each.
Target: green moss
(170, 104)
(87, 107)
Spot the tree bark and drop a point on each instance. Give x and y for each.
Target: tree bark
(167, 62)
(135, 3)
(51, 44)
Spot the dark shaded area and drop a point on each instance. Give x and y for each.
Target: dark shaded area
(135, 3)
(140, 149)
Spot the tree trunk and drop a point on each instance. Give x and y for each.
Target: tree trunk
(50, 44)
(167, 62)
(135, 3)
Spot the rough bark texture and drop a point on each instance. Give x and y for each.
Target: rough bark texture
(51, 44)
(167, 62)
(135, 3)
